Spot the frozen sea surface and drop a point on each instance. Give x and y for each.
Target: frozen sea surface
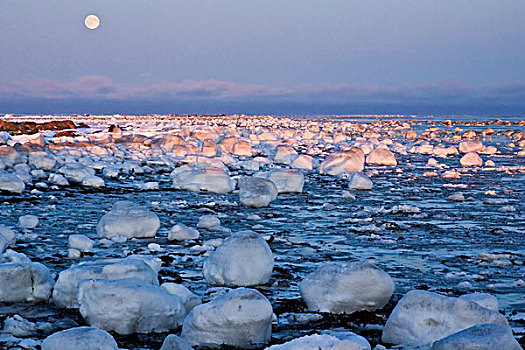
(448, 247)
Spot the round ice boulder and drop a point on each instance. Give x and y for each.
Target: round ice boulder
(240, 318)
(208, 221)
(81, 243)
(129, 306)
(488, 301)
(347, 288)
(381, 156)
(66, 287)
(480, 337)
(80, 338)
(340, 162)
(324, 342)
(471, 159)
(359, 181)
(76, 172)
(286, 180)
(25, 281)
(189, 299)
(11, 183)
(470, 146)
(129, 220)
(420, 318)
(174, 342)
(43, 162)
(93, 181)
(181, 232)
(8, 234)
(256, 192)
(209, 179)
(244, 259)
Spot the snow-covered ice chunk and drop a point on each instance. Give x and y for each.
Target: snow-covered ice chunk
(324, 342)
(456, 197)
(241, 318)
(209, 179)
(66, 287)
(181, 232)
(381, 156)
(174, 342)
(286, 180)
(421, 317)
(471, 159)
(30, 281)
(93, 181)
(81, 243)
(256, 192)
(347, 288)
(19, 327)
(80, 338)
(244, 259)
(43, 162)
(358, 181)
(208, 221)
(57, 179)
(76, 172)
(470, 146)
(3, 244)
(129, 306)
(479, 337)
(189, 299)
(11, 183)
(340, 162)
(8, 234)
(303, 161)
(129, 220)
(486, 300)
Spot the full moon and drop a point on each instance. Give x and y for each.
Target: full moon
(92, 22)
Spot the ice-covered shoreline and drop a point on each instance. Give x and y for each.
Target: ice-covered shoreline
(433, 220)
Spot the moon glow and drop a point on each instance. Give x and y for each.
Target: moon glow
(92, 22)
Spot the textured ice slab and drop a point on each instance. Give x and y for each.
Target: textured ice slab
(209, 179)
(420, 318)
(129, 306)
(480, 337)
(66, 287)
(25, 281)
(80, 338)
(347, 288)
(241, 318)
(129, 220)
(324, 342)
(256, 192)
(244, 259)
